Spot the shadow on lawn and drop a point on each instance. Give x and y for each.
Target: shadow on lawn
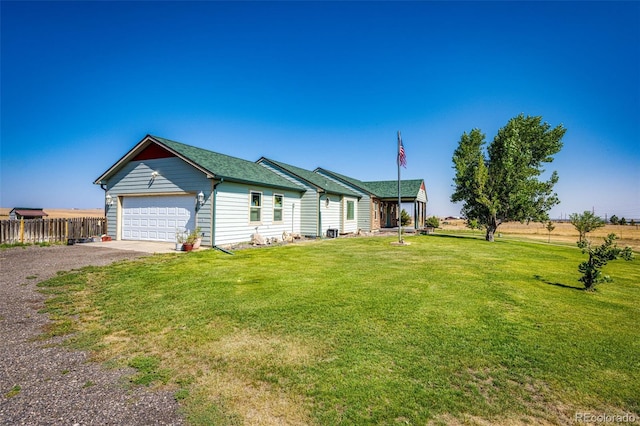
(539, 278)
(463, 237)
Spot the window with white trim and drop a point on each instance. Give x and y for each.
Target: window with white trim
(350, 210)
(255, 206)
(278, 203)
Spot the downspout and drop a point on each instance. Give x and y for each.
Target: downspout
(319, 229)
(213, 219)
(106, 222)
(213, 212)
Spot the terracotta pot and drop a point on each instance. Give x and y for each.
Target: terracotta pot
(196, 244)
(187, 247)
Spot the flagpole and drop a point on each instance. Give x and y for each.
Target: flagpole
(399, 212)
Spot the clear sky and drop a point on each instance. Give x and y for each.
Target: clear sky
(318, 84)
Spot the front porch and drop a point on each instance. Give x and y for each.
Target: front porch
(388, 214)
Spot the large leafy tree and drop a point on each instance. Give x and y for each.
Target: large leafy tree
(501, 183)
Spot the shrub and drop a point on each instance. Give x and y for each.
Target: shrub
(433, 222)
(473, 224)
(405, 219)
(591, 269)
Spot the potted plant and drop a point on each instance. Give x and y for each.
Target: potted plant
(197, 237)
(180, 239)
(191, 239)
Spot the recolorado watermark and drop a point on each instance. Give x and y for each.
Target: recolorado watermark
(626, 418)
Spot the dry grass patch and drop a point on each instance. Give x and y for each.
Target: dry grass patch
(250, 402)
(233, 375)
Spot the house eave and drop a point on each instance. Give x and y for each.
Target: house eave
(140, 146)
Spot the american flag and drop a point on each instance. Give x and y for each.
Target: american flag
(402, 158)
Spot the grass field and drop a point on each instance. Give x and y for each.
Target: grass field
(448, 330)
(564, 232)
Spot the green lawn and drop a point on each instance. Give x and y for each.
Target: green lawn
(450, 329)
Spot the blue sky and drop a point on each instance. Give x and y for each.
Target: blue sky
(318, 84)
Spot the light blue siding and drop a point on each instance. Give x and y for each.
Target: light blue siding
(330, 213)
(232, 220)
(349, 226)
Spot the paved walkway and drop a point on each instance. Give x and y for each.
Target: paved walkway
(140, 246)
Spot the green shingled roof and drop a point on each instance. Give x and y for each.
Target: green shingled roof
(230, 168)
(313, 178)
(389, 188)
(384, 188)
(354, 182)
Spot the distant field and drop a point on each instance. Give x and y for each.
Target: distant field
(564, 232)
(58, 213)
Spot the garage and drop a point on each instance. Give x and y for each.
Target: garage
(156, 218)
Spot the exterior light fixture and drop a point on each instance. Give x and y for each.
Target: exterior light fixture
(200, 198)
(154, 174)
(327, 201)
(109, 199)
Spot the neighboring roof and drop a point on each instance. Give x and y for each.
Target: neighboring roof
(383, 188)
(389, 188)
(26, 211)
(313, 178)
(215, 165)
(349, 180)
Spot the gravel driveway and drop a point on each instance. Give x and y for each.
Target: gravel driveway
(42, 383)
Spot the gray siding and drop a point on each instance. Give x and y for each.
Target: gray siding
(174, 177)
(364, 203)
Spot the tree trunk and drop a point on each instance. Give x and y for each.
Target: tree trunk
(490, 232)
(492, 225)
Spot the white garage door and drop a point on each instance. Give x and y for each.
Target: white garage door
(157, 218)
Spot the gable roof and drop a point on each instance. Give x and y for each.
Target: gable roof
(389, 188)
(28, 211)
(313, 178)
(213, 164)
(382, 188)
(348, 180)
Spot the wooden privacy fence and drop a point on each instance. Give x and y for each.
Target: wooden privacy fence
(30, 231)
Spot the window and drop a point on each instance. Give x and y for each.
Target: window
(255, 206)
(278, 202)
(350, 210)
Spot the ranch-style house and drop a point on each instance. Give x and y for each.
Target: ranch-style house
(162, 187)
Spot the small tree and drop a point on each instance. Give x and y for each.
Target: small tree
(550, 227)
(623, 221)
(433, 222)
(585, 222)
(614, 219)
(591, 269)
(405, 219)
